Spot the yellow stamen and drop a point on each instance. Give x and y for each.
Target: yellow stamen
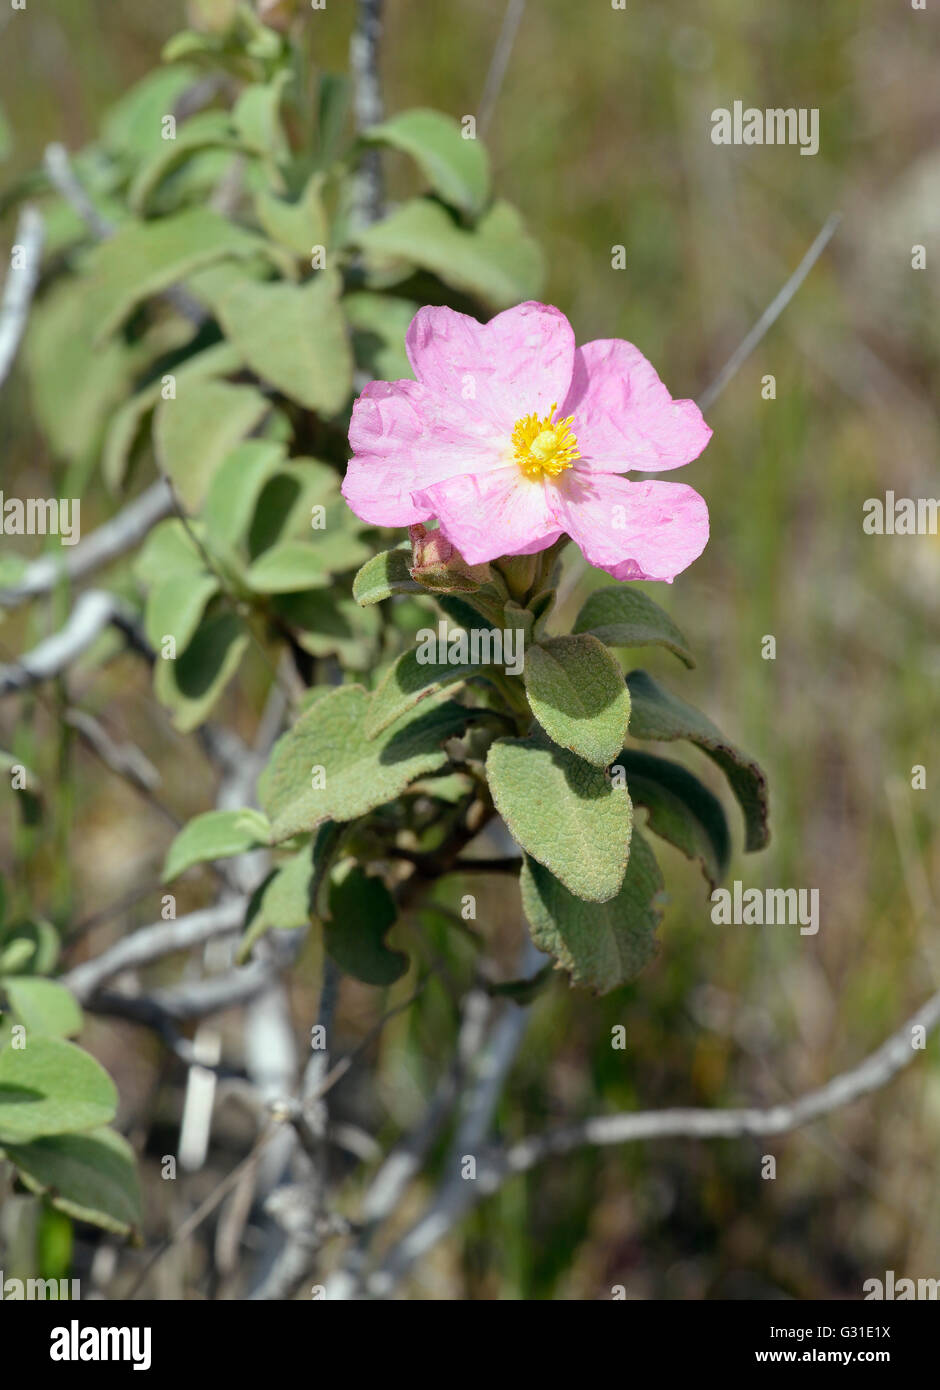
(544, 447)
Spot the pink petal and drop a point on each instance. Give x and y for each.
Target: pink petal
(520, 363)
(633, 530)
(492, 514)
(403, 440)
(624, 418)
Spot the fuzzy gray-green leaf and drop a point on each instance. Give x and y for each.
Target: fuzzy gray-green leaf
(564, 812)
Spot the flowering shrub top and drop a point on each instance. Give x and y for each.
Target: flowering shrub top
(512, 436)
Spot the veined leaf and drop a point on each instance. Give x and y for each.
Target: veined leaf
(43, 1006)
(601, 946)
(215, 835)
(384, 575)
(681, 810)
(361, 911)
(457, 169)
(658, 714)
(496, 261)
(325, 768)
(92, 1177)
(564, 812)
(622, 616)
(577, 693)
(51, 1087)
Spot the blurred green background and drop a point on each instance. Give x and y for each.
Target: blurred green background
(600, 135)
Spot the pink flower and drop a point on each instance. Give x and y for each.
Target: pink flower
(512, 436)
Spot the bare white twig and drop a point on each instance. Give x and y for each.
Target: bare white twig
(19, 287)
(499, 63)
(770, 315)
(93, 612)
(124, 759)
(494, 1169)
(488, 1070)
(152, 943)
(190, 1000)
(111, 540)
(368, 195)
(63, 179)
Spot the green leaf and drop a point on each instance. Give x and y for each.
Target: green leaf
(407, 682)
(204, 130)
(286, 569)
(234, 491)
(564, 812)
(15, 955)
(324, 768)
(282, 902)
(74, 390)
(256, 117)
(622, 616)
(92, 1177)
(379, 323)
(361, 911)
(293, 336)
(284, 510)
(384, 575)
(134, 125)
(681, 810)
(457, 169)
(175, 608)
(43, 1006)
(658, 714)
(299, 226)
(190, 685)
(497, 261)
(326, 622)
(127, 422)
(193, 433)
(601, 947)
(333, 100)
(29, 948)
(215, 835)
(169, 549)
(577, 693)
(51, 1087)
(144, 258)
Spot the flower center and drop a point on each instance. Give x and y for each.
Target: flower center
(543, 446)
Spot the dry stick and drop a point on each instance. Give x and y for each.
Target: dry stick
(111, 540)
(19, 287)
(494, 1169)
(299, 1208)
(205, 1209)
(124, 759)
(496, 72)
(488, 1067)
(368, 195)
(403, 1162)
(770, 315)
(94, 611)
(152, 943)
